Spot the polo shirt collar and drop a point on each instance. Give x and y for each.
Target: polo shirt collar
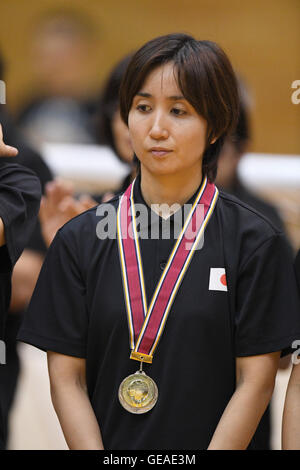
(152, 215)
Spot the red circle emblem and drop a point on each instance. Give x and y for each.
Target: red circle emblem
(223, 280)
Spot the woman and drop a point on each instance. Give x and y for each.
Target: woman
(196, 369)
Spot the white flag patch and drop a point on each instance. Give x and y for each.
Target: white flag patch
(217, 279)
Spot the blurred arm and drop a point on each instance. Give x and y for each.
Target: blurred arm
(2, 235)
(24, 278)
(291, 413)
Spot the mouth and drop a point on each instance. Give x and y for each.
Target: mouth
(160, 151)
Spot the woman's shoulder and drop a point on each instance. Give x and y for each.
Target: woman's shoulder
(245, 218)
(245, 230)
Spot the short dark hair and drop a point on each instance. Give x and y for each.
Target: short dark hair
(205, 77)
(241, 135)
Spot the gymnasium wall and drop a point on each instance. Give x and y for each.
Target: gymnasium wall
(262, 38)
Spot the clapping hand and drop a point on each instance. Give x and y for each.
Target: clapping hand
(59, 205)
(6, 150)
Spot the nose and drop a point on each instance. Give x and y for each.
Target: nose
(159, 129)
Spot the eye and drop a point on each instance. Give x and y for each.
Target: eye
(144, 108)
(178, 111)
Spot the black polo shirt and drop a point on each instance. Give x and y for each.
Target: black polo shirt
(78, 309)
(20, 193)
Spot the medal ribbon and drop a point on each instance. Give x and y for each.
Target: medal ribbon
(146, 324)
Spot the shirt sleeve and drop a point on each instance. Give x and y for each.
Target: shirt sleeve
(57, 318)
(20, 193)
(267, 317)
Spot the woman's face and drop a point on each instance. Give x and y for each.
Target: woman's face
(121, 138)
(167, 134)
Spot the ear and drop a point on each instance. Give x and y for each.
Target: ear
(213, 140)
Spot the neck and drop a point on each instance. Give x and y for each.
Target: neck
(169, 189)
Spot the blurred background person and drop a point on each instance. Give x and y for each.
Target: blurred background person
(28, 266)
(228, 179)
(20, 193)
(110, 128)
(61, 109)
(60, 203)
(234, 148)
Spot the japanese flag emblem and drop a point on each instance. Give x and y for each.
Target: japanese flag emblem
(217, 279)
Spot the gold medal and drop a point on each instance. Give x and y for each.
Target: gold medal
(138, 393)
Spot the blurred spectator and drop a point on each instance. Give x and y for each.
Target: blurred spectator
(110, 128)
(233, 150)
(228, 180)
(27, 268)
(20, 197)
(59, 204)
(62, 57)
